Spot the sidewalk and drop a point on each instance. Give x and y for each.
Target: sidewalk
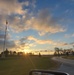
(64, 61)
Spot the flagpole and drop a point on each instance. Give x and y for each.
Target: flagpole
(3, 56)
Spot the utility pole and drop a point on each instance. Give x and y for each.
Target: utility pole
(4, 45)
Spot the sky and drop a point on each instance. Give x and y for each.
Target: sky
(35, 25)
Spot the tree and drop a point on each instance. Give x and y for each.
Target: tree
(57, 51)
(14, 52)
(6, 52)
(11, 53)
(20, 53)
(72, 52)
(67, 53)
(39, 54)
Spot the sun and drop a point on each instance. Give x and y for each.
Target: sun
(26, 51)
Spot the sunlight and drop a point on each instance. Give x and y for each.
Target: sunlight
(26, 51)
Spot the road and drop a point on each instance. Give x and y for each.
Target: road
(66, 66)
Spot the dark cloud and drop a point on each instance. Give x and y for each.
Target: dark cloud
(9, 44)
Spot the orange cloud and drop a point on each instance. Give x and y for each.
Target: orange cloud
(12, 6)
(40, 41)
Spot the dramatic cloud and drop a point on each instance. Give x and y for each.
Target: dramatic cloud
(10, 10)
(12, 6)
(40, 41)
(51, 42)
(44, 23)
(20, 17)
(21, 44)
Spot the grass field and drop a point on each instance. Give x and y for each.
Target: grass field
(22, 65)
(69, 57)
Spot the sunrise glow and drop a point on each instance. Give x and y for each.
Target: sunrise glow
(26, 51)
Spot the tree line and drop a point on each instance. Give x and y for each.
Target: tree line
(8, 53)
(60, 51)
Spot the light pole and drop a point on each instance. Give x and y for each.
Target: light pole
(4, 45)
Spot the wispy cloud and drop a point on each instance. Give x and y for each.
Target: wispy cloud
(44, 23)
(21, 44)
(40, 41)
(69, 35)
(50, 42)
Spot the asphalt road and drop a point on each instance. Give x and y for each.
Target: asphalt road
(66, 66)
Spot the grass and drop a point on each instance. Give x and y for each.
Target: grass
(22, 65)
(69, 57)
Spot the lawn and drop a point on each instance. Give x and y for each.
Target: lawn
(22, 65)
